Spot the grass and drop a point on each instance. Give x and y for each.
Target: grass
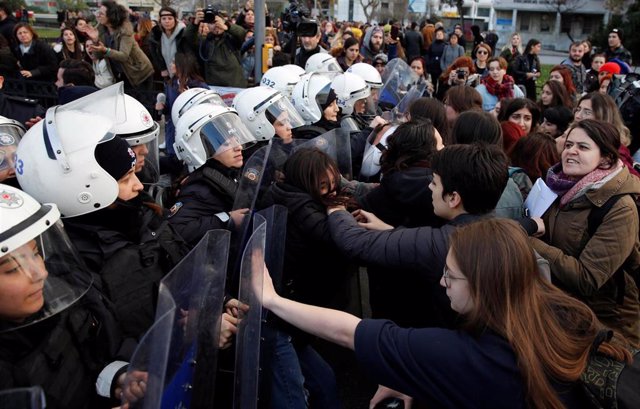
(47, 33)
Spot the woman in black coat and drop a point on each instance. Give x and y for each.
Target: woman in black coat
(36, 58)
(526, 68)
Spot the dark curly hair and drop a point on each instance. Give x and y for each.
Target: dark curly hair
(116, 13)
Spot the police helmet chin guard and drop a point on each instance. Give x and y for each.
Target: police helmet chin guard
(207, 130)
(260, 107)
(33, 243)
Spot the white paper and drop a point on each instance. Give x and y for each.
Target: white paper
(540, 199)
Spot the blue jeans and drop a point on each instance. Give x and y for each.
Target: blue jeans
(299, 377)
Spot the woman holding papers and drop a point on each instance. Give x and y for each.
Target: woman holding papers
(589, 235)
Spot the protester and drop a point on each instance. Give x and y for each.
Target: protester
(36, 58)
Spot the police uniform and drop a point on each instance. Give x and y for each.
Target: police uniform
(19, 108)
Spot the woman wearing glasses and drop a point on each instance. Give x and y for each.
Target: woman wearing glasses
(522, 343)
(481, 55)
(589, 258)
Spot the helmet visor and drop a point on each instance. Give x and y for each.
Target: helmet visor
(285, 113)
(10, 136)
(224, 132)
(50, 277)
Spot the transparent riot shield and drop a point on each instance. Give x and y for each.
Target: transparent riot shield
(176, 360)
(398, 78)
(23, 398)
(337, 144)
(246, 377)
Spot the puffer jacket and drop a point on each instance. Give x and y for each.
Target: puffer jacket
(584, 266)
(126, 51)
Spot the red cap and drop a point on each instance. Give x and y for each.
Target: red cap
(610, 67)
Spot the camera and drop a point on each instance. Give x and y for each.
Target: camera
(294, 16)
(461, 74)
(210, 14)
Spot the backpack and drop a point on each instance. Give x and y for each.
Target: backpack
(611, 384)
(594, 220)
(625, 91)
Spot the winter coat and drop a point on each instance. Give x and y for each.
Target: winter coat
(40, 59)
(434, 54)
(522, 65)
(130, 248)
(620, 53)
(449, 55)
(65, 353)
(206, 192)
(585, 266)
(314, 268)
(418, 252)
(220, 55)
(178, 36)
(403, 198)
(124, 50)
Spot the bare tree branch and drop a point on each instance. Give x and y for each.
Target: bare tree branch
(369, 7)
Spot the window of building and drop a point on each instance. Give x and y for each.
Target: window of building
(545, 23)
(524, 22)
(483, 12)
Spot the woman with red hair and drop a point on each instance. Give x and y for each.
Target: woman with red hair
(461, 72)
(562, 74)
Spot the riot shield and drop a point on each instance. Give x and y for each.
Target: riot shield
(398, 78)
(177, 358)
(335, 143)
(23, 398)
(246, 379)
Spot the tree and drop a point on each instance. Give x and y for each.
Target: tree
(369, 7)
(15, 4)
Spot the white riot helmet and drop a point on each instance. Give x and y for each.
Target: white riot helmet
(10, 135)
(33, 243)
(349, 89)
(207, 130)
(191, 98)
(309, 95)
(296, 69)
(322, 62)
(368, 73)
(282, 79)
(139, 127)
(254, 105)
(56, 161)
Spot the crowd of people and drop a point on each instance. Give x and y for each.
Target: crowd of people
(389, 148)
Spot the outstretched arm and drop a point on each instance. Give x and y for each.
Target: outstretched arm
(332, 325)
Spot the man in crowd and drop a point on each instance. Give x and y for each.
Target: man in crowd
(7, 22)
(616, 49)
(574, 63)
(372, 43)
(310, 45)
(413, 42)
(219, 46)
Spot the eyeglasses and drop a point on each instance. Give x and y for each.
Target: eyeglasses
(446, 274)
(584, 111)
(482, 52)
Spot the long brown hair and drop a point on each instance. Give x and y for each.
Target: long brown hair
(187, 70)
(550, 332)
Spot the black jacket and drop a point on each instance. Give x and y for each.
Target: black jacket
(129, 248)
(20, 109)
(183, 45)
(314, 268)
(65, 353)
(403, 198)
(209, 190)
(41, 60)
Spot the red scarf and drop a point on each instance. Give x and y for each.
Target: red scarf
(500, 90)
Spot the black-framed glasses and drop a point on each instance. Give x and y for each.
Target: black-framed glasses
(446, 274)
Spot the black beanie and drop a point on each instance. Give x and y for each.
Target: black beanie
(330, 98)
(116, 157)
